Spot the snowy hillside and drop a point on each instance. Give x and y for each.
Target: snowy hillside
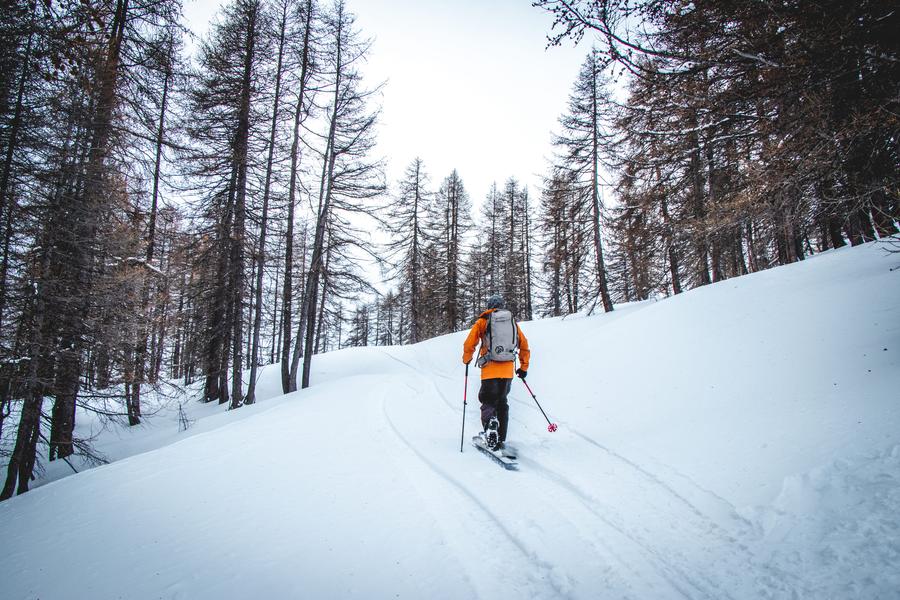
(737, 441)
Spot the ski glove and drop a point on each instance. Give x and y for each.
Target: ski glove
(521, 373)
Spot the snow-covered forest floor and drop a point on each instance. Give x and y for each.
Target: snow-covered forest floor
(740, 440)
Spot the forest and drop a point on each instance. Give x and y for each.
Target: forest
(178, 211)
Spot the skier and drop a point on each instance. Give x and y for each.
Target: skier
(500, 336)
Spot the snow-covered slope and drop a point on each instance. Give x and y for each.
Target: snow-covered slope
(737, 441)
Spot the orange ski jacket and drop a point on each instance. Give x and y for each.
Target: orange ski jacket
(494, 369)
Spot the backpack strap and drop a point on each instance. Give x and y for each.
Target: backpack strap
(490, 333)
(515, 325)
(485, 338)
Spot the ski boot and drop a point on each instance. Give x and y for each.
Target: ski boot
(492, 435)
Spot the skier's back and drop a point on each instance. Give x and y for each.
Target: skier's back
(500, 338)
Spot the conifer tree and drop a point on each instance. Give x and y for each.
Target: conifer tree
(279, 42)
(455, 207)
(410, 224)
(69, 100)
(563, 232)
(300, 75)
(581, 146)
(754, 135)
(222, 127)
(350, 178)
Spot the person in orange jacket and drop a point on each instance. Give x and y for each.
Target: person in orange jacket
(496, 376)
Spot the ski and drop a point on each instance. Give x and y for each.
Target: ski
(506, 459)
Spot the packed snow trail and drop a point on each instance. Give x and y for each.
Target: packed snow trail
(665, 542)
(739, 441)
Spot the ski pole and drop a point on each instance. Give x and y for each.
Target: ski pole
(462, 435)
(551, 427)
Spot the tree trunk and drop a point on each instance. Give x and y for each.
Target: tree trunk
(312, 286)
(320, 320)
(696, 177)
(862, 226)
(134, 411)
(180, 330)
(670, 244)
(261, 246)
(21, 461)
(298, 339)
(216, 321)
(289, 382)
(595, 201)
(834, 232)
(415, 263)
(453, 253)
(162, 323)
(529, 309)
(276, 320)
(325, 189)
(242, 140)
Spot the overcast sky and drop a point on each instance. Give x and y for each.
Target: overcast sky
(470, 85)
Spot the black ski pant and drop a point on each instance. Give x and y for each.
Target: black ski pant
(492, 396)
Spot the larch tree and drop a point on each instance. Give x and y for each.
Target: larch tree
(455, 208)
(163, 58)
(302, 67)
(409, 224)
(350, 176)
(222, 127)
(756, 137)
(280, 35)
(67, 176)
(581, 148)
(563, 232)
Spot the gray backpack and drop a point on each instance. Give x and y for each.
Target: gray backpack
(501, 338)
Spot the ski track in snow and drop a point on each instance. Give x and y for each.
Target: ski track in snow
(688, 578)
(724, 546)
(556, 590)
(566, 485)
(671, 573)
(654, 479)
(676, 576)
(559, 590)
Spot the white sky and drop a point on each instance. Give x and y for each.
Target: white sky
(470, 85)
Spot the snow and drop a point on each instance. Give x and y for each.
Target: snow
(737, 441)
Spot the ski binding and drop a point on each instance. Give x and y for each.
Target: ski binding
(505, 457)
